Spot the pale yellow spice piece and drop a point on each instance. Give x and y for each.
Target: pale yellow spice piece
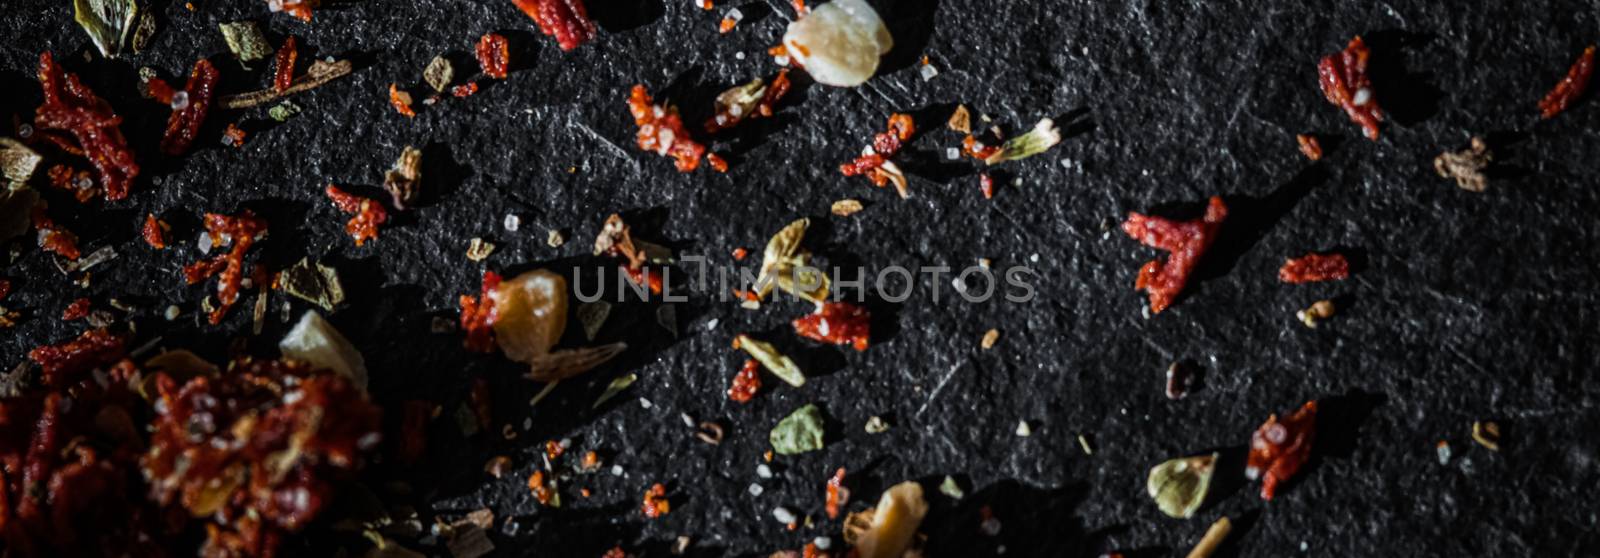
(846, 207)
(989, 339)
(556, 239)
(478, 249)
(1213, 539)
(1487, 434)
(960, 120)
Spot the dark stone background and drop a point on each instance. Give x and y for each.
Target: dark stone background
(1465, 307)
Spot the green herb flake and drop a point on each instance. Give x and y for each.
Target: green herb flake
(950, 488)
(1179, 486)
(439, 74)
(245, 41)
(773, 360)
(283, 111)
(108, 22)
(799, 432)
(1041, 138)
(616, 387)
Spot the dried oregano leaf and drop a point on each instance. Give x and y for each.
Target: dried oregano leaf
(283, 111)
(1041, 138)
(775, 362)
(108, 22)
(245, 40)
(439, 74)
(1179, 485)
(616, 387)
(799, 432)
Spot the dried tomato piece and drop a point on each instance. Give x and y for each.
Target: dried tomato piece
(494, 55)
(53, 237)
(1571, 87)
(655, 502)
(1346, 85)
(977, 149)
(540, 489)
(369, 214)
(478, 316)
(839, 323)
(401, 101)
(184, 124)
(61, 365)
(717, 162)
(566, 20)
(243, 230)
(746, 383)
(1312, 268)
(661, 130)
(464, 90)
(1186, 240)
(71, 107)
(1279, 448)
(1309, 146)
(154, 232)
(838, 495)
(283, 65)
(78, 310)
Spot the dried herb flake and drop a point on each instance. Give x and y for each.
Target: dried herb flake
(800, 432)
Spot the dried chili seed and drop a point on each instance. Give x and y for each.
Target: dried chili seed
(71, 107)
(494, 55)
(971, 147)
(184, 124)
(1313, 267)
(369, 214)
(401, 101)
(986, 185)
(1187, 242)
(1309, 146)
(61, 365)
(283, 66)
(154, 232)
(79, 309)
(1346, 85)
(840, 323)
(53, 237)
(655, 502)
(478, 316)
(1279, 448)
(1571, 87)
(78, 183)
(838, 495)
(464, 90)
(746, 383)
(661, 130)
(566, 20)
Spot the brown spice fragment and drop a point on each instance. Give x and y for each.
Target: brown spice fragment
(710, 433)
(846, 207)
(317, 75)
(1320, 310)
(1466, 166)
(1571, 87)
(960, 120)
(989, 339)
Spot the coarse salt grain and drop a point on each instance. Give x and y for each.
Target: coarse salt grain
(952, 153)
(172, 312)
(928, 72)
(1023, 429)
(204, 243)
(512, 222)
(756, 489)
(783, 515)
(616, 470)
(764, 471)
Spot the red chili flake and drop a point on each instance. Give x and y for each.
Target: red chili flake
(727, 25)
(661, 130)
(840, 323)
(79, 183)
(591, 461)
(494, 55)
(1346, 85)
(986, 184)
(478, 316)
(153, 232)
(482, 403)
(655, 502)
(776, 90)
(184, 124)
(739, 254)
(1312, 268)
(800, 9)
(233, 135)
(368, 214)
(283, 66)
(1186, 240)
(838, 495)
(63, 364)
(884, 146)
(811, 551)
(1309, 146)
(1279, 448)
(71, 107)
(541, 491)
(1571, 87)
(977, 149)
(464, 90)
(566, 20)
(298, 8)
(414, 418)
(53, 237)
(78, 310)
(746, 383)
(158, 90)
(243, 230)
(401, 101)
(717, 162)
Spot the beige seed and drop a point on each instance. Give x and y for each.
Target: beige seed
(989, 339)
(846, 207)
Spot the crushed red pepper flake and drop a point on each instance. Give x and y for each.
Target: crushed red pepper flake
(1571, 87)
(77, 182)
(553, 449)
(478, 316)
(401, 101)
(727, 24)
(655, 502)
(234, 135)
(464, 90)
(283, 65)
(1187, 242)
(742, 102)
(565, 20)
(78, 310)
(800, 9)
(5, 288)
(243, 230)
(986, 185)
(65, 363)
(1345, 83)
(540, 489)
(971, 147)
(740, 253)
(1309, 146)
(300, 9)
(369, 214)
(838, 495)
(494, 55)
(717, 162)
(53, 237)
(184, 123)
(71, 107)
(1314, 267)
(615, 552)
(661, 130)
(746, 383)
(154, 232)
(839, 323)
(1279, 447)
(874, 161)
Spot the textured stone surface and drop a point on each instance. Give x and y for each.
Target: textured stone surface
(1464, 306)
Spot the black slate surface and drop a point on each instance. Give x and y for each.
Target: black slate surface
(1465, 306)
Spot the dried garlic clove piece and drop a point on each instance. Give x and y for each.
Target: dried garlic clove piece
(780, 254)
(839, 43)
(531, 314)
(1179, 486)
(894, 522)
(780, 365)
(800, 432)
(316, 341)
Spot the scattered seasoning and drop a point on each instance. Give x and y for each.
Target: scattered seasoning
(401, 101)
(243, 230)
(478, 249)
(478, 316)
(79, 309)
(245, 40)
(541, 490)
(1212, 539)
(71, 107)
(590, 462)
(986, 185)
(1180, 379)
(1309, 146)
(655, 502)
(746, 383)
(300, 9)
(730, 21)
(800, 432)
(839, 323)
(184, 124)
(1571, 87)
(53, 237)
(989, 339)
(950, 488)
(154, 232)
(17, 161)
(1319, 310)
(614, 388)
(283, 65)
(404, 179)
(314, 283)
(1041, 138)
(66, 363)
(464, 90)
(494, 55)
(553, 449)
(565, 20)
(661, 130)
(874, 160)
(846, 207)
(78, 183)
(320, 73)
(439, 73)
(1279, 448)
(232, 136)
(876, 425)
(839, 43)
(1443, 449)
(107, 22)
(1466, 166)
(971, 147)
(709, 432)
(838, 495)
(1314, 267)
(1187, 242)
(496, 466)
(368, 214)
(1023, 429)
(775, 362)
(1346, 85)
(1179, 486)
(1487, 434)
(752, 100)
(960, 120)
